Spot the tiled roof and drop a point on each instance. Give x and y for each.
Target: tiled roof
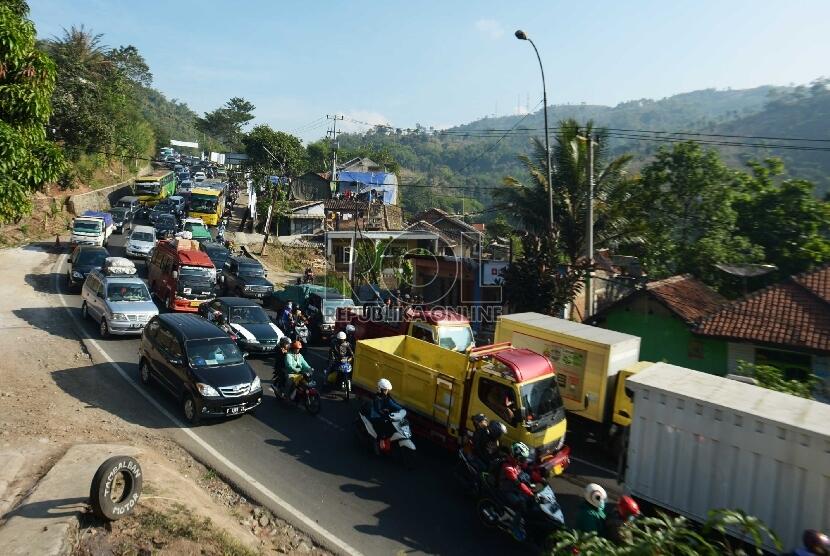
(444, 221)
(795, 314)
(427, 227)
(687, 297)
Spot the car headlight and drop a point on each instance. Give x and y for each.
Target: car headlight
(119, 316)
(76, 274)
(207, 390)
(256, 384)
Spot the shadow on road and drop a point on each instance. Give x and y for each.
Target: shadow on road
(49, 508)
(48, 319)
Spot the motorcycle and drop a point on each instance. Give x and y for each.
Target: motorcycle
(340, 372)
(469, 471)
(393, 433)
(542, 517)
(305, 393)
(300, 333)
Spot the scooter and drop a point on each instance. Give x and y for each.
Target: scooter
(301, 332)
(305, 393)
(344, 376)
(394, 434)
(542, 517)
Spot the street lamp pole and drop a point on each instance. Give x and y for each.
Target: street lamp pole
(521, 35)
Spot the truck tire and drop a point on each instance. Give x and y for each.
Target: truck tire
(115, 488)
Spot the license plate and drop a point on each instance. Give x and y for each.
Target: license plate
(235, 410)
(135, 325)
(195, 303)
(258, 294)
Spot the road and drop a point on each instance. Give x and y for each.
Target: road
(313, 465)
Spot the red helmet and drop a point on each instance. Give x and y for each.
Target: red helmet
(628, 507)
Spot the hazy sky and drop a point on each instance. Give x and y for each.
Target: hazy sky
(441, 63)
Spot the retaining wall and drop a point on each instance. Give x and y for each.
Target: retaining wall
(102, 199)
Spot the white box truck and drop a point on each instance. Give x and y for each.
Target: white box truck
(700, 442)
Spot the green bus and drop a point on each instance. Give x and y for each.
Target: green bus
(152, 189)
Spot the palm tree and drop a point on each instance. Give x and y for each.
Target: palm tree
(81, 49)
(612, 193)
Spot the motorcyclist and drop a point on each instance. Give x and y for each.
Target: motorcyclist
(591, 518)
(299, 320)
(350, 331)
(617, 523)
(815, 543)
(287, 317)
(308, 276)
(340, 349)
(278, 379)
(382, 406)
(514, 482)
(295, 363)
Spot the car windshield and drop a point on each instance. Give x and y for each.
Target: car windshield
(218, 256)
(249, 315)
(330, 306)
(124, 291)
(91, 258)
(542, 399)
(118, 213)
(142, 236)
(195, 272)
(212, 353)
(456, 338)
(252, 270)
(87, 226)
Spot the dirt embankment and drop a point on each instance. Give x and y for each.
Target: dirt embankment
(53, 396)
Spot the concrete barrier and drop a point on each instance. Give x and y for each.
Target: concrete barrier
(102, 199)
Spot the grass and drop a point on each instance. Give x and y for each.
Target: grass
(209, 475)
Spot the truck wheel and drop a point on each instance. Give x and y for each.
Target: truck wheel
(84, 311)
(104, 328)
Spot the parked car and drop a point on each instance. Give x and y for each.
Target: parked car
(166, 226)
(245, 277)
(248, 323)
(117, 299)
(141, 241)
(200, 365)
(217, 252)
(83, 260)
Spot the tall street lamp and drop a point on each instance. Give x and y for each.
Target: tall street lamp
(522, 36)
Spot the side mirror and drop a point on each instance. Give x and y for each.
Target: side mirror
(244, 355)
(175, 274)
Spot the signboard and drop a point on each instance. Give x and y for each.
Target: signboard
(218, 158)
(491, 272)
(568, 363)
(235, 158)
(176, 143)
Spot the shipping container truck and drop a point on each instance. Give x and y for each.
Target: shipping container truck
(443, 389)
(591, 366)
(699, 442)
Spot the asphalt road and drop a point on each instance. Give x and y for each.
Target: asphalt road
(313, 463)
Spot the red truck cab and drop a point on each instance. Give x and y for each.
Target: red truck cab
(181, 276)
(442, 327)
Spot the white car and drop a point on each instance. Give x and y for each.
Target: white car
(199, 176)
(141, 241)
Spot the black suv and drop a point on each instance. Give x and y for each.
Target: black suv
(200, 365)
(245, 277)
(83, 260)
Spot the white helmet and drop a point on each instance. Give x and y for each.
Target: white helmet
(350, 329)
(384, 384)
(595, 495)
(341, 335)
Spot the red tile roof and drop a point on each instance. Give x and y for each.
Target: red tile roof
(686, 296)
(795, 314)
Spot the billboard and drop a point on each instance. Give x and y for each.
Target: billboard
(177, 143)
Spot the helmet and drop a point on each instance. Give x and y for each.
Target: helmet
(479, 418)
(627, 507)
(595, 495)
(496, 429)
(341, 335)
(520, 451)
(384, 384)
(297, 345)
(285, 341)
(816, 541)
(350, 329)
(290, 304)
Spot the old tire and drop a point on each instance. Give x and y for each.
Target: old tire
(115, 488)
(84, 311)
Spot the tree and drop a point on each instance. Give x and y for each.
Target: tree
(613, 198)
(773, 378)
(783, 218)
(27, 79)
(688, 219)
(131, 64)
(226, 122)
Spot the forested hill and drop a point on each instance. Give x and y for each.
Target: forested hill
(466, 160)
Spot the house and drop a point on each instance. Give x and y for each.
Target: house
(311, 186)
(664, 314)
(459, 239)
(341, 245)
(345, 214)
(303, 218)
(363, 179)
(786, 325)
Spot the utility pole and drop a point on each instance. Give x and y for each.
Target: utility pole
(273, 198)
(333, 134)
(589, 232)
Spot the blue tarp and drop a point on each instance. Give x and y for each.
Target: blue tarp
(363, 182)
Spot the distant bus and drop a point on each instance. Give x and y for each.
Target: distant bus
(207, 204)
(152, 189)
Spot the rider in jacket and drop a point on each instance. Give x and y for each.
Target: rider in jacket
(514, 482)
(591, 518)
(295, 363)
(382, 406)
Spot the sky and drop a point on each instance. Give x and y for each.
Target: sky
(443, 63)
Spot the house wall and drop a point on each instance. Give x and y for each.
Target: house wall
(665, 337)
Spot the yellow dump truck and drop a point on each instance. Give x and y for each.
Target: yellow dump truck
(442, 389)
(591, 366)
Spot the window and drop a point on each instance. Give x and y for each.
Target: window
(422, 332)
(499, 398)
(695, 349)
(165, 339)
(796, 366)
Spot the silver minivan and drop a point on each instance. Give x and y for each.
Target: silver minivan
(121, 304)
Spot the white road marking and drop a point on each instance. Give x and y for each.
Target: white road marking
(306, 521)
